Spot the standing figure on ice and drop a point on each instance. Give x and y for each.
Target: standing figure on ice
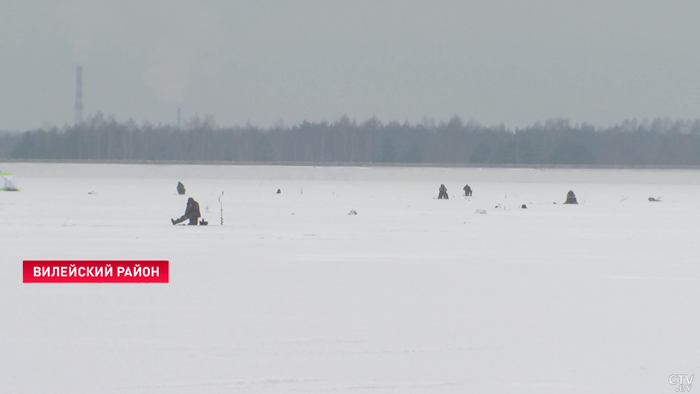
(467, 191)
(180, 188)
(443, 193)
(192, 213)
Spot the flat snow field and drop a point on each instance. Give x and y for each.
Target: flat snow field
(411, 295)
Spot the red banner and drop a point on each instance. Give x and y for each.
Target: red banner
(101, 271)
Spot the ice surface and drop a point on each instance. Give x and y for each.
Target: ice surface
(411, 295)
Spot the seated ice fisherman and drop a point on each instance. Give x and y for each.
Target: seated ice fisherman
(180, 188)
(443, 193)
(467, 191)
(191, 213)
(570, 198)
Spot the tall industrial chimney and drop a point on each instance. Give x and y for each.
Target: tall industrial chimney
(79, 96)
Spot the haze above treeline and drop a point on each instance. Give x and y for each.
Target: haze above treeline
(659, 141)
(511, 61)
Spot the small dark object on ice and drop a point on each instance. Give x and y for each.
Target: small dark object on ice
(279, 191)
(467, 191)
(443, 193)
(203, 222)
(191, 213)
(180, 188)
(570, 198)
(523, 206)
(352, 212)
(657, 199)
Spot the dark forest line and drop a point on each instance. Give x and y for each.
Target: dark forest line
(661, 142)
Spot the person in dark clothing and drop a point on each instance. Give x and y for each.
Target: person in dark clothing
(467, 191)
(571, 198)
(443, 193)
(191, 213)
(180, 188)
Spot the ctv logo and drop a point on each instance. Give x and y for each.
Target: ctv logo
(684, 382)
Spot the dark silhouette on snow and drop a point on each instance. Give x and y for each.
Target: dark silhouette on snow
(467, 191)
(191, 213)
(570, 198)
(443, 193)
(180, 188)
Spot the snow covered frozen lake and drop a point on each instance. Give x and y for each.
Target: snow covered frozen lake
(411, 295)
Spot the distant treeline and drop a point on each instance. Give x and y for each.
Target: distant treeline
(657, 142)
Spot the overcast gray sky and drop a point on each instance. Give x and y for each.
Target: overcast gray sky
(492, 61)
